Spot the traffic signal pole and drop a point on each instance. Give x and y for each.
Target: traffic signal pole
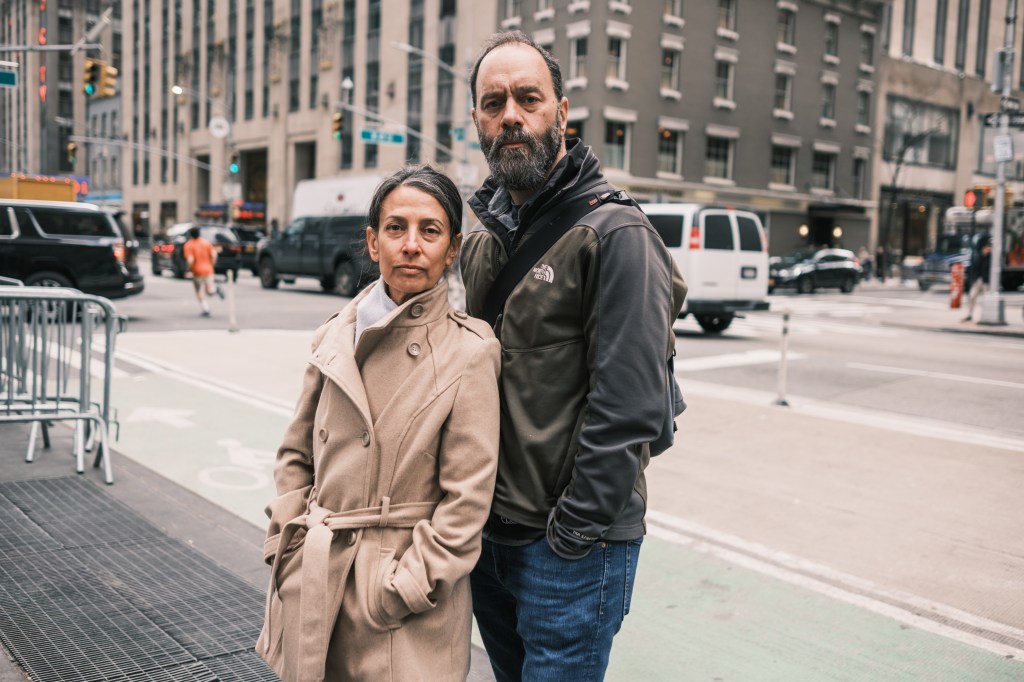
(992, 311)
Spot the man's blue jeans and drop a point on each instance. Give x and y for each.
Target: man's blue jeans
(543, 617)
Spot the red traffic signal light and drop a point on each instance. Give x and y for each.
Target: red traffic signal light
(971, 198)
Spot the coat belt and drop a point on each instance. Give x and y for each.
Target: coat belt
(315, 618)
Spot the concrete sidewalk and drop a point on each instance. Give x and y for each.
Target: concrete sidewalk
(226, 527)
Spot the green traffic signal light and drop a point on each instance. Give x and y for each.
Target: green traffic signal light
(233, 167)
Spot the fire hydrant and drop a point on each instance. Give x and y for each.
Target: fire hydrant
(956, 285)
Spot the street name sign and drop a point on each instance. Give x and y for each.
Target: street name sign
(8, 79)
(381, 137)
(992, 120)
(1009, 104)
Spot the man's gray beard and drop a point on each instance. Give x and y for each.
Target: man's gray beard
(524, 169)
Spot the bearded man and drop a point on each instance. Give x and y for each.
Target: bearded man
(583, 383)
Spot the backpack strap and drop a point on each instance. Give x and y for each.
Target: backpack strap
(525, 257)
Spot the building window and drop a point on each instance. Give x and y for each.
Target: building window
(962, 23)
(545, 5)
(941, 15)
(909, 10)
(616, 59)
(295, 43)
(828, 101)
(718, 158)
(727, 15)
(823, 171)
(673, 8)
(723, 80)
(616, 141)
(859, 170)
(863, 108)
(920, 134)
(670, 69)
(578, 58)
(831, 39)
(783, 92)
(787, 27)
(513, 9)
(981, 56)
(574, 129)
(867, 48)
(783, 160)
(670, 151)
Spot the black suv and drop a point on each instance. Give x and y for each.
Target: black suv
(331, 249)
(249, 237)
(67, 244)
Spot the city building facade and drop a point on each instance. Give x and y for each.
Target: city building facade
(231, 102)
(767, 105)
(47, 107)
(935, 86)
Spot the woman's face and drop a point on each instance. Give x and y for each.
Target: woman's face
(413, 243)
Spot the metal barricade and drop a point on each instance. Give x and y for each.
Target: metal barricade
(48, 372)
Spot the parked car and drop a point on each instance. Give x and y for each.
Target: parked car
(168, 252)
(331, 249)
(721, 253)
(806, 271)
(250, 238)
(67, 244)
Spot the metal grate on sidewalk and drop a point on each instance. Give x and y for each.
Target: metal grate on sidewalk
(89, 591)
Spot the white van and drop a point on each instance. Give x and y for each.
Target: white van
(723, 255)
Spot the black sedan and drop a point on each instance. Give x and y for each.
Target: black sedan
(807, 271)
(168, 253)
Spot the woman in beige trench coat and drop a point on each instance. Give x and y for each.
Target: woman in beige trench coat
(386, 472)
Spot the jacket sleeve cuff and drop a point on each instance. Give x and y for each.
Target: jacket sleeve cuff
(566, 543)
(403, 596)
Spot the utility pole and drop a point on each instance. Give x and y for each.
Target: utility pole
(992, 311)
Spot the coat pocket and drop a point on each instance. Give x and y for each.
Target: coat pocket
(381, 591)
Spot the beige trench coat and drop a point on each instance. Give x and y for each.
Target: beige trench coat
(384, 481)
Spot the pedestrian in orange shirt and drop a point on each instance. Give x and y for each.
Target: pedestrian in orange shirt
(201, 256)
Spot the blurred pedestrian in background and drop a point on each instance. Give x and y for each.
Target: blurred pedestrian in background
(201, 257)
(880, 262)
(386, 472)
(980, 273)
(865, 262)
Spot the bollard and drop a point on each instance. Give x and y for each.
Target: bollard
(232, 322)
(781, 400)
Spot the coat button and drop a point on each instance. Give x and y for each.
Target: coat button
(416, 310)
(366, 438)
(322, 434)
(414, 349)
(351, 538)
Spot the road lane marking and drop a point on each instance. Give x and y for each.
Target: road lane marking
(207, 383)
(944, 620)
(750, 357)
(915, 426)
(935, 375)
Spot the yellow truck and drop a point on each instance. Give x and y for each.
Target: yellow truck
(38, 187)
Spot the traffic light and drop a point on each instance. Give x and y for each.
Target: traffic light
(72, 152)
(233, 162)
(336, 120)
(107, 86)
(978, 197)
(91, 75)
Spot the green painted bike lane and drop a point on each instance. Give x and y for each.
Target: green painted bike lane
(694, 616)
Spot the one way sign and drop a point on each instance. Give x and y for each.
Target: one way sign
(992, 120)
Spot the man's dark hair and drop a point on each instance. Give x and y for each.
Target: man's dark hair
(193, 233)
(508, 38)
(427, 179)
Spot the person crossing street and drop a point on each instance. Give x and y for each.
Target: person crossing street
(201, 257)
